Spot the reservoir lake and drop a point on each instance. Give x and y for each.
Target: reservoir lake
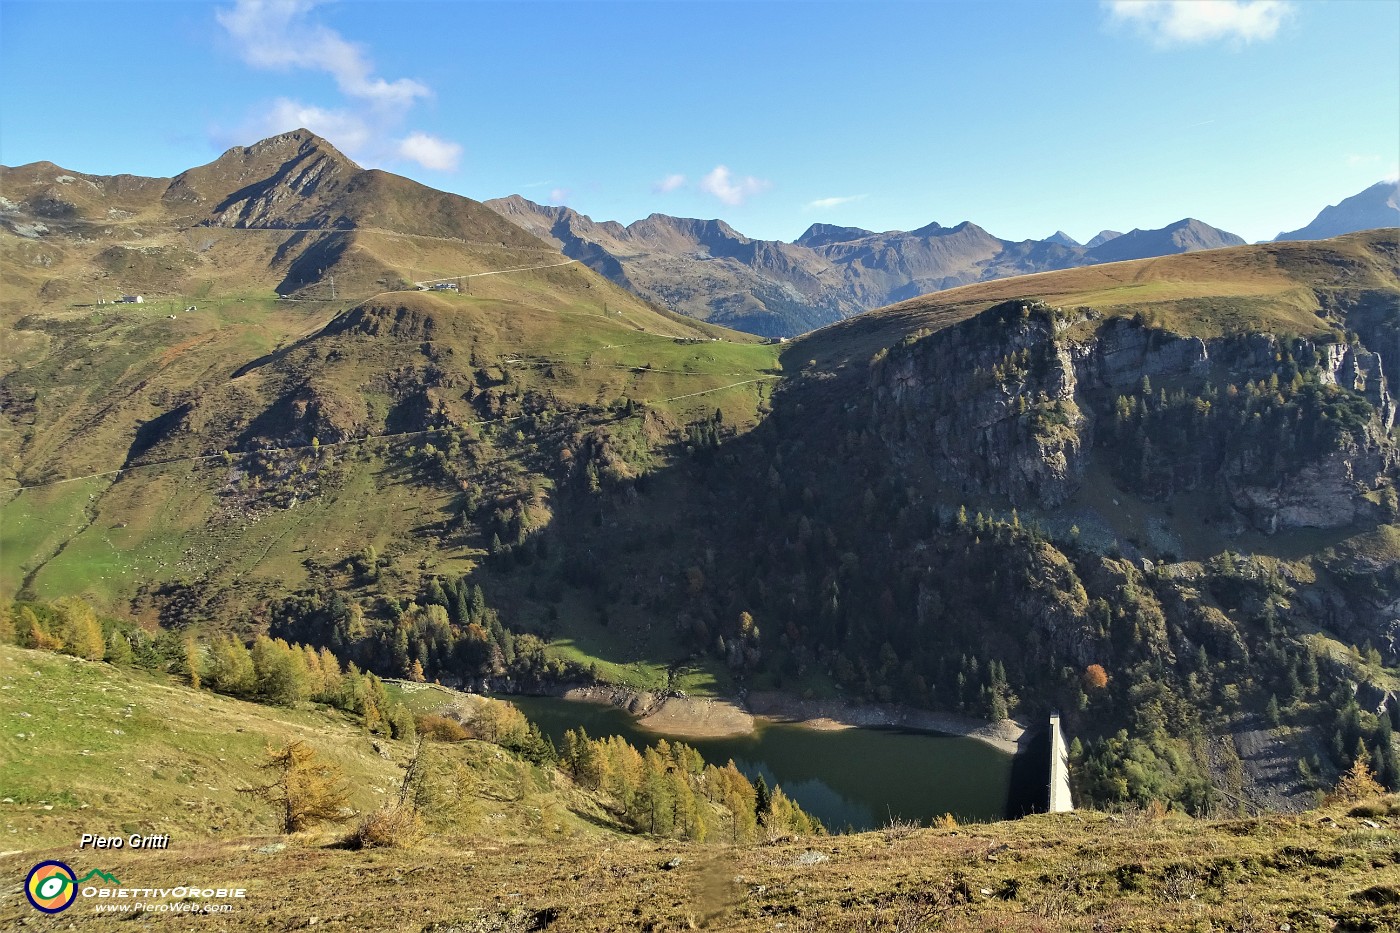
(851, 779)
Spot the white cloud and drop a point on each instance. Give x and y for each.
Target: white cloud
(430, 152)
(821, 204)
(730, 190)
(278, 35)
(1355, 161)
(282, 35)
(1183, 22)
(559, 196)
(668, 184)
(347, 130)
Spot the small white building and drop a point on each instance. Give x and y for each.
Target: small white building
(130, 300)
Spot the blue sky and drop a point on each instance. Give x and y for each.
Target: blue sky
(1022, 117)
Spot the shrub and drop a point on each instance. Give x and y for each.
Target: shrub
(441, 728)
(389, 827)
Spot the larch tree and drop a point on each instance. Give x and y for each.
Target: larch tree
(304, 788)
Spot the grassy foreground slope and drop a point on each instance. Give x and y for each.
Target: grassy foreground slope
(91, 747)
(112, 751)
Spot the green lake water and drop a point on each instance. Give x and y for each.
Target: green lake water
(850, 778)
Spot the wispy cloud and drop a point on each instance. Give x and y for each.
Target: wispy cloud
(282, 35)
(279, 35)
(722, 184)
(1187, 22)
(821, 204)
(668, 184)
(559, 195)
(1389, 171)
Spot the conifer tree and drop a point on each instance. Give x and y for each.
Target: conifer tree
(79, 629)
(231, 667)
(763, 800)
(304, 789)
(194, 661)
(119, 648)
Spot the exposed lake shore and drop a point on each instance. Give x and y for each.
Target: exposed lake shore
(713, 717)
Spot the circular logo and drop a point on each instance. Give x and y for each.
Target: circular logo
(51, 887)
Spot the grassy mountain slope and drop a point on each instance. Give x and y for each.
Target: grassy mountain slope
(509, 846)
(132, 388)
(140, 753)
(286, 214)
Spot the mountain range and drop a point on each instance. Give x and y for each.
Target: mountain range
(294, 214)
(708, 270)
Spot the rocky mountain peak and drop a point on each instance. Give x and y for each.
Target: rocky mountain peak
(1378, 206)
(826, 234)
(1183, 236)
(1102, 237)
(281, 181)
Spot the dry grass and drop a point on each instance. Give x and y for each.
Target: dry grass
(1081, 871)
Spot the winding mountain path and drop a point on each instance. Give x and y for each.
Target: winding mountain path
(474, 275)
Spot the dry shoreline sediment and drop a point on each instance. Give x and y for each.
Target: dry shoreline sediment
(711, 717)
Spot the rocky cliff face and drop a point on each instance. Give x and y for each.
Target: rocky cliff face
(1014, 403)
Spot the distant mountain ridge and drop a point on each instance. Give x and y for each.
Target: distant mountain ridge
(1184, 236)
(1376, 207)
(317, 215)
(708, 270)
